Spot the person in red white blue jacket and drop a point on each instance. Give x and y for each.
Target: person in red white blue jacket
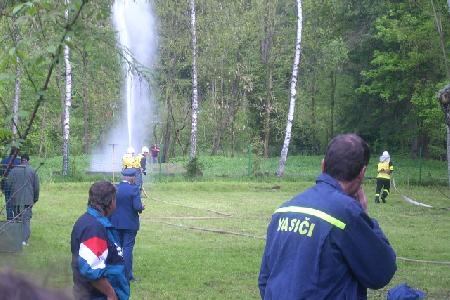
(97, 259)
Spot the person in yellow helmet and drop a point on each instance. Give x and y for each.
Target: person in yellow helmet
(132, 161)
(385, 168)
(129, 160)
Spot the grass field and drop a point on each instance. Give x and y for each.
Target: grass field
(173, 261)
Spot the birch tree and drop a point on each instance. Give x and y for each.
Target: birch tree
(67, 102)
(17, 83)
(293, 92)
(16, 100)
(194, 83)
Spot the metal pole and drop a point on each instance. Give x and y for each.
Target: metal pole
(113, 172)
(420, 165)
(249, 165)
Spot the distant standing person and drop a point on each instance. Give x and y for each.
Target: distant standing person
(23, 182)
(8, 162)
(385, 169)
(322, 244)
(97, 258)
(155, 152)
(142, 157)
(126, 217)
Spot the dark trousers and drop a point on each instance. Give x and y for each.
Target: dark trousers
(8, 206)
(24, 214)
(127, 238)
(382, 190)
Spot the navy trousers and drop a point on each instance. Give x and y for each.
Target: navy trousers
(127, 239)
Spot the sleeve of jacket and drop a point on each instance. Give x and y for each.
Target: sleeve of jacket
(263, 275)
(137, 203)
(36, 188)
(367, 251)
(264, 271)
(93, 252)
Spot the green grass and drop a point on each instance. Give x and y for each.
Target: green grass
(178, 263)
(298, 168)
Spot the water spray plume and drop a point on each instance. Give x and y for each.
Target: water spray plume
(135, 25)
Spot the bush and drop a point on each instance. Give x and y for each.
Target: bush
(194, 168)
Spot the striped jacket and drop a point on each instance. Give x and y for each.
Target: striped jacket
(95, 254)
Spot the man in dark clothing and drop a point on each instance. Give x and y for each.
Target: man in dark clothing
(126, 217)
(154, 153)
(23, 183)
(322, 244)
(97, 259)
(6, 166)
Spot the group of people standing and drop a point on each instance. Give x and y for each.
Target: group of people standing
(20, 186)
(322, 244)
(139, 162)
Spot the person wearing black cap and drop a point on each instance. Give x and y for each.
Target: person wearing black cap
(126, 217)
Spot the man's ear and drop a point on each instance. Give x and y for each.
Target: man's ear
(323, 165)
(362, 172)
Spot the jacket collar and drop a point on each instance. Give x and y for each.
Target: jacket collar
(325, 178)
(97, 215)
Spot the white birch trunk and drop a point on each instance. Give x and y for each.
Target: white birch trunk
(293, 92)
(194, 83)
(16, 100)
(67, 104)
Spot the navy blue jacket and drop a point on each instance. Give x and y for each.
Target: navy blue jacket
(129, 205)
(95, 254)
(322, 245)
(3, 166)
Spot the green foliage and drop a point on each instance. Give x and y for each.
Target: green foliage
(194, 168)
(366, 67)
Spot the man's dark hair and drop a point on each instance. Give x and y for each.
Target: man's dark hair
(25, 157)
(101, 194)
(16, 286)
(346, 155)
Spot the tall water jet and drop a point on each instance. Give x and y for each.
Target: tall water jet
(137, 42)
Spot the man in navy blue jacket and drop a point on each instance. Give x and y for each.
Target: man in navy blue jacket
(322, 244)
(126, 217)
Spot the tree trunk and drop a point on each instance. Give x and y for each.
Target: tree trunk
(332, 101)
(42, 140)
(266, 56)
(86, 139)
(193, 153)
(314, 130)
(67, 105)
(293, 92)
(440, 31)
(16, 100)
(267, 112)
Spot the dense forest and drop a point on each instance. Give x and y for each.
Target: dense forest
(371, 67)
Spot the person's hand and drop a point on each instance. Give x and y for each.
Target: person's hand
(360, 196)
